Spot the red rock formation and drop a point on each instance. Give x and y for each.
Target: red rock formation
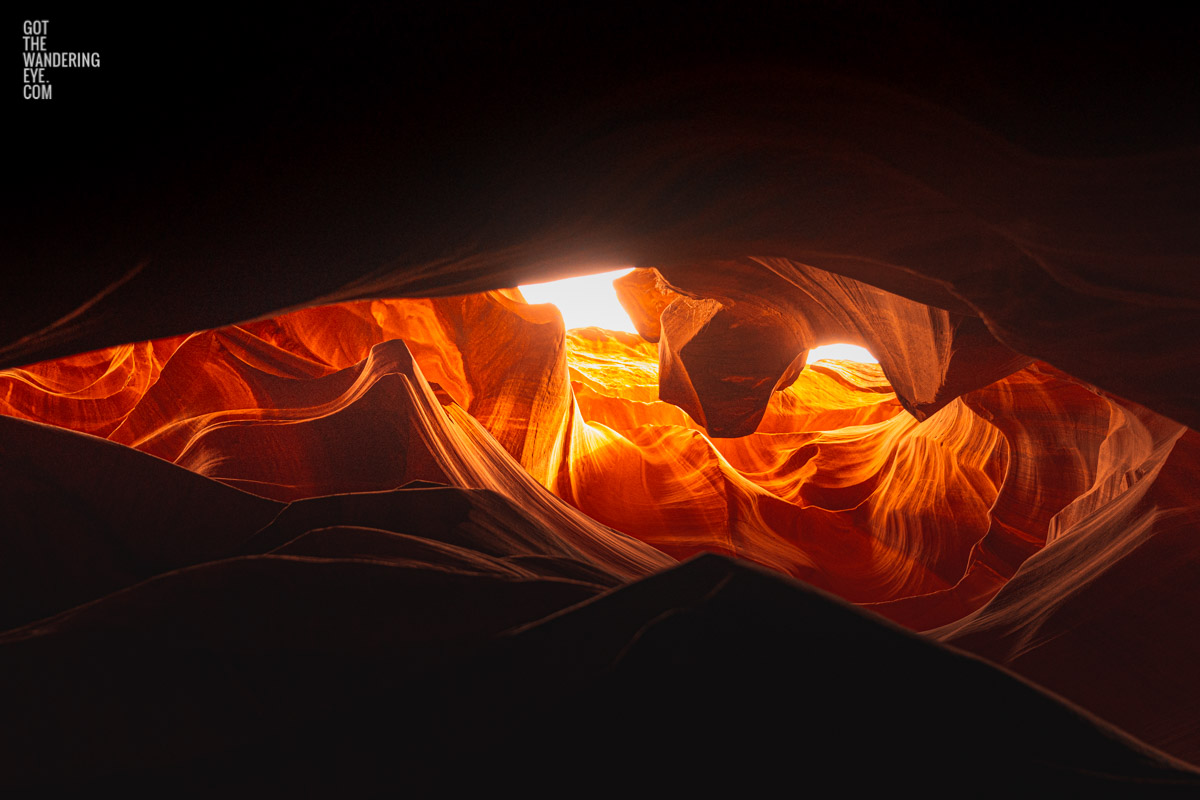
(812, 496)
(922, 521)
(283, 464)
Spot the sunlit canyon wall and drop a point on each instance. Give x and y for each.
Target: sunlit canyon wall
(956, 488)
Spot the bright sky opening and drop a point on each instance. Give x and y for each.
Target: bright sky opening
(591, 301)
(586, 301)
(841, 352)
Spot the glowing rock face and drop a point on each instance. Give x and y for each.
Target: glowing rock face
(822, 492)
(839, 486)
(321, 401)
(746, 343)
(924, 521)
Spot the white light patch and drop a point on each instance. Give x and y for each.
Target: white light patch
(590, 301)
(586, 301)
(841, 352)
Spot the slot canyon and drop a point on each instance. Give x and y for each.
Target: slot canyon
(299, 492)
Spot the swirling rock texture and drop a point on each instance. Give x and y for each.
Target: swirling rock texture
(299, 494)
